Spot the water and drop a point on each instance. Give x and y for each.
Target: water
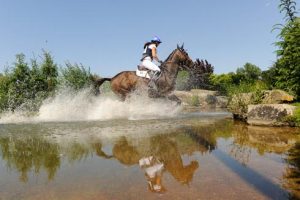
(190, 155)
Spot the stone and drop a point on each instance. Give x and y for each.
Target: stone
(205, 98)
(269, 114)
(276, 96)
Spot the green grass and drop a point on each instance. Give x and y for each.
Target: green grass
(296, 117)
(194, 101)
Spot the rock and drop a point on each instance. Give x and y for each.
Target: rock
(238, 104)
(276, 96)
(269, 114)
(202, 98)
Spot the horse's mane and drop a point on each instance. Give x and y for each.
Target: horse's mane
(178, 48)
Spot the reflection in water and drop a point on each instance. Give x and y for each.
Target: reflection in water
(153, 172)
(24, 154)
(292, 173)
(157, 154)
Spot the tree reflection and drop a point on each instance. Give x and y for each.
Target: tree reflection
(26, 153)
(292, 172)
(262, 139)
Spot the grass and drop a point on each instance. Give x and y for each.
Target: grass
(194, 101)
(295, 119)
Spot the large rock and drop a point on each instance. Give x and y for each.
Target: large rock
(269, 114)
(276, 96)
(202, 98)
(238, 104)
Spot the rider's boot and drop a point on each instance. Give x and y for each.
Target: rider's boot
(153, 79)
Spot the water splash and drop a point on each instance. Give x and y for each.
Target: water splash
(81, 106)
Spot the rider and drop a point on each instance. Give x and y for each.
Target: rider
(150, 54)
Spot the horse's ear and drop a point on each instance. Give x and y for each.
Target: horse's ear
(178, 46)
(182, 46)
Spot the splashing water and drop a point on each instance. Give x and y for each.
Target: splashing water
(80, 106)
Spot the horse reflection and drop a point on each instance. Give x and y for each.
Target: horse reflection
(160, 156)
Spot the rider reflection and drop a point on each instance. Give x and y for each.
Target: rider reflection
(153, 172)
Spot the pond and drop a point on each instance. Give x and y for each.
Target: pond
(195, 155)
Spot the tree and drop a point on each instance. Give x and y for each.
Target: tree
(76, 76)
(287, 67)
(49, 71)
(19, 88)
(199, 75)
(249, 73)
(289, 7)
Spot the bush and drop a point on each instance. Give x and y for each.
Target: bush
(195, 101)
(76, 76)
(182, 80)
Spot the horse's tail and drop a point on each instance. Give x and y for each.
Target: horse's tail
(97, 83)
(100, 81)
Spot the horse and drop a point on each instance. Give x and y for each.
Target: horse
(126, 82)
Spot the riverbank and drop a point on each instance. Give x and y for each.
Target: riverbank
(266, 108)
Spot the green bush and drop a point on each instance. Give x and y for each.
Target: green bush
(182, 80)
(25, 86)
(75, 76)
(194, 101)
(296, 116)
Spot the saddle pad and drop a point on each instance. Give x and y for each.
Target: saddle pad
(143, 74)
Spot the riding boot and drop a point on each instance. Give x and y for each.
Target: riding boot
(153, 79)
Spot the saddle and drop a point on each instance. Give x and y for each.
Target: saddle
(142, 68)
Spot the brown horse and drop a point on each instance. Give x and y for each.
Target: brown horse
(127, 81)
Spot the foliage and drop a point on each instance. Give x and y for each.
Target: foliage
(25, 86)
(295, 118)
(245, 87)
(49, 71)
(285, 74)
(289, 7)
(199, 75)
(19, 85)
(195, 100)
(76, 76)
(246, 79)
(249, 73)
(182, 80)
(4, 86)
(287, 67)
(222, 81)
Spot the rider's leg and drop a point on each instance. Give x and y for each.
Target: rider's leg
(150, 65)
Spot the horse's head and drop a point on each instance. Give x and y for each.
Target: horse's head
(182, 57)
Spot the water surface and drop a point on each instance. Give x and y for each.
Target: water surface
(192, 156)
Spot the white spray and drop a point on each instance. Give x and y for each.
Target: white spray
(80, 106)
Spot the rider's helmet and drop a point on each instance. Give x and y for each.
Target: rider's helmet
(156, 39)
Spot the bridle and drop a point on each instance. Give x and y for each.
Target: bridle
(180, 64)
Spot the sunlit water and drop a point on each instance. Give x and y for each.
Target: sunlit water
(195, 155)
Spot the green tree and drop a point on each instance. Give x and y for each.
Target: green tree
(19, 88)
(4, 86)
(287, 67)
(289, 7)
(49, 71)
(76, 76)
(249, 73)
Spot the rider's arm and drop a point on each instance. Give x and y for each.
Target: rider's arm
(154, 54)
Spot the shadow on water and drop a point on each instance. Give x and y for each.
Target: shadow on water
(160, 151)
